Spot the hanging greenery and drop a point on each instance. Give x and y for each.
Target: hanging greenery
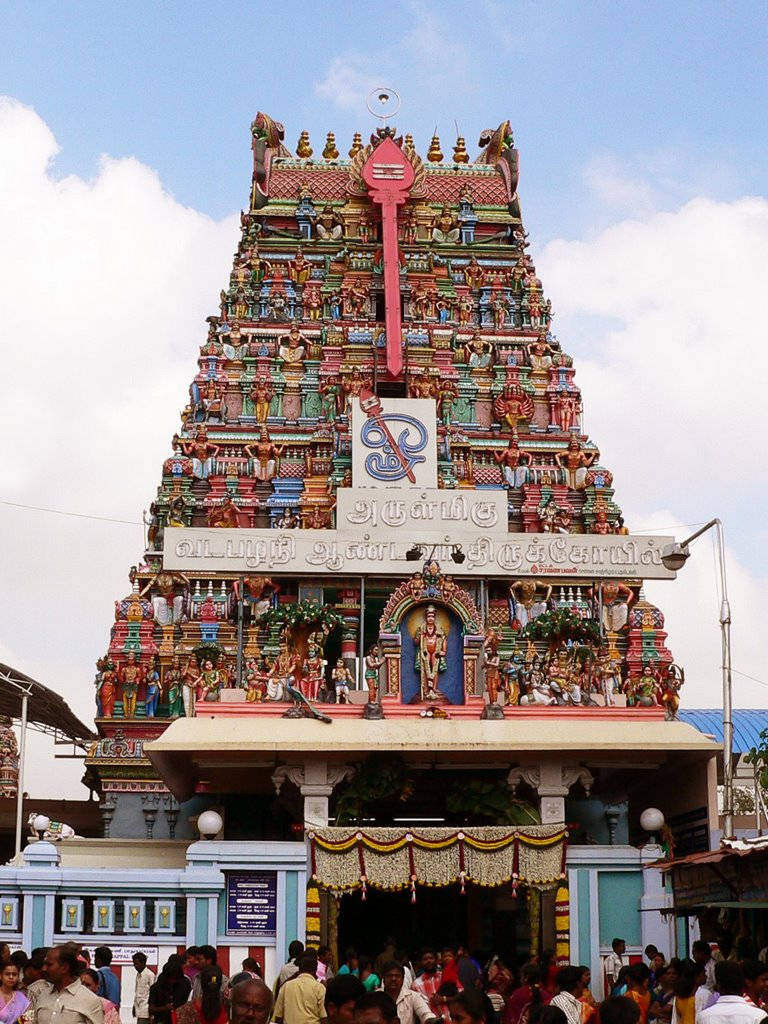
(562, 625)
(304, 612)
(380, 777)
(208, 650)
(491, 799)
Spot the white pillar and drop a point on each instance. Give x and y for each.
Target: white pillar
(316, 781)
(552, 781)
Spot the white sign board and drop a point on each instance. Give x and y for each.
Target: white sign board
(394, 443)
(375, 550)
(420, 509)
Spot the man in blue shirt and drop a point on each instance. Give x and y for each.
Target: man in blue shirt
(109, 983)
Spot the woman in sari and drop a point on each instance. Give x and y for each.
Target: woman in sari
(211, 1008)
(12, 1002)
(90, 979)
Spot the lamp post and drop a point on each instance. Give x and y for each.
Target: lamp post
(674, 557)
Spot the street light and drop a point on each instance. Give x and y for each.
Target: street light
(209, 824)
(674, 557)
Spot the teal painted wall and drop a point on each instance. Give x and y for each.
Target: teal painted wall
(38, 921)
(584, 924)
(201, 922)
(292, 929)
(619, 894)
(222, 913)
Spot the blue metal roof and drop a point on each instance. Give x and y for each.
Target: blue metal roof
(747, 725)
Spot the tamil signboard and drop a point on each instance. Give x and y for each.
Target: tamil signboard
(423, 508)
(374, 550)
(252, 903)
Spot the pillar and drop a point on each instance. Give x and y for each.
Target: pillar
(552, 781)
(316, 781)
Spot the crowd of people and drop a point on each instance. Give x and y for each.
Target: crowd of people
(447, 986)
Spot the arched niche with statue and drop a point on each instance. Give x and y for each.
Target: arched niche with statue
(431, 637)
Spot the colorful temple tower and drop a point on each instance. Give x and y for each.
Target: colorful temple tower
(381, 532)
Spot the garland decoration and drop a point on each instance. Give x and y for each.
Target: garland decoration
(304, 612)
(562, 625)
(344, 859)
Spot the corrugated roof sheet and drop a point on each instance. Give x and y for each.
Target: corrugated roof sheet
(747, 725)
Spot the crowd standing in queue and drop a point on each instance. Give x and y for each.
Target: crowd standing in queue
(445, 986)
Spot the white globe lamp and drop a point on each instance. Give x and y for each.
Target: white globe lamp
(209, 824)
(651, 820)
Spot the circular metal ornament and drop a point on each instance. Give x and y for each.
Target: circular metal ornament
(383, 103)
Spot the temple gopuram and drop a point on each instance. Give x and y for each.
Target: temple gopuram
(389, 623)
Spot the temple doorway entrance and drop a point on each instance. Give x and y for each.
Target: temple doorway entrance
(484, 919)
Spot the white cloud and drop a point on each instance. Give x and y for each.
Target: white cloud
(347, 83)
(103, 295)
(667, 315)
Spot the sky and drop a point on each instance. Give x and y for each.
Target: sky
(125, 158)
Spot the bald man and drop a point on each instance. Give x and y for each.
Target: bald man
(250, 1002)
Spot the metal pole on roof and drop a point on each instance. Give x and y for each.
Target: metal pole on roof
(20, 787)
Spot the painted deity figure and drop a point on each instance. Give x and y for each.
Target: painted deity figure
(474, 275)
(478, 352)
(373, 664)
(443, 308)
(352, 386)
(609, 675)
(292, 347)
(616, 600)
(500, 308)
(152, 698)
(314, 671)
(513, 406)
(105, 687)
(525, 602)
(431, 648)
(575, 462)
(130, 675)
(445, 227)
(282, 674)
(262, 393)
(173, 680)
(265, 456)
(190, 689)
(355, 295)
(511, 676)
(365, 226)
(491, 665)
(537, 685)
(224, 516)
(669, 690)
(312, 301)
(299, 268)
(568, 409)
(210, 682)
(419, 303)
(288, 520)
(540, 356)
(410, 225)
(341, 678)
(465, 309)
(328, 223)
(447, 396)
(202, 452)
(514, 464)
(331, 402)
(255, 680)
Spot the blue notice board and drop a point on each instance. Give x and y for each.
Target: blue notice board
(252, 903)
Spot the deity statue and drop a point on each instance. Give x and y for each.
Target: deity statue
(609, 676)
(540, 356)
(554, 518)
(335, 300)
(352, 386)
(365, 227)
(202, 452)
(314, 671)
(525, 602)
(500, 306)
(282, 674)
(443, 308)
(568, 409)
(288, 520)
(332, 402)
(373, 664)
(431, 648)
(465, 309)
(292, 347)
(256, 674)
(190, 688)
(447, 397)
(167, 606)
(537, 685)
(225, 515)
(419, 302)
(152, 698)
(341, 678)
(445, 227)
(312, 301)
(515, 464)
(601, 525)
(318, 518)
(669, 690)
(259, 590)
(410, 225)
(356, 294)
(130, 675)
(210, 681)
(511, 677)
(328, 223)
(265, 456)
(479, 353)
(213, 400)
(575, 462)
(299, 268)
(616, 599)
(513, 406)
(491, 665)
(262, 394)
(474, 275)
(105, 687)
(173, 680)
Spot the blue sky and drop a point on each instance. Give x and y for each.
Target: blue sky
(125, 156)
(674, 91)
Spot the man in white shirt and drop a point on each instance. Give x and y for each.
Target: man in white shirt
(144, 978)
(570, 989)
(68, 1001)
(731, 1007)
(613, 964)
(412, 1007)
